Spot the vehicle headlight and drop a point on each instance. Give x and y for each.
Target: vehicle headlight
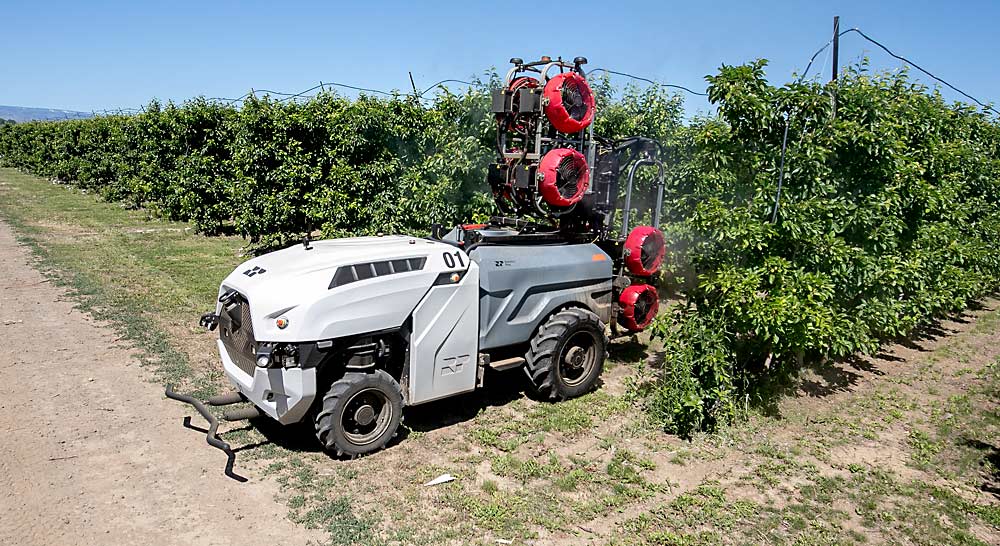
(264, 351)
(275, 355)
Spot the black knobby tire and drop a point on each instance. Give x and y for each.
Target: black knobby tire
(566, 356)
(360, 414)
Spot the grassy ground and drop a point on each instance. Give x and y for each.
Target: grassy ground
(897, 449)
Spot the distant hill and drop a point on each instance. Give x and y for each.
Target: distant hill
(21, 113)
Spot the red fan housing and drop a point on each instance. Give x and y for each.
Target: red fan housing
(569, 102)
(524, 81)
(644, 250)
(639, 304)
(565, 177)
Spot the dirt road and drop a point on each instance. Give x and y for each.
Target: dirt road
(91, 452)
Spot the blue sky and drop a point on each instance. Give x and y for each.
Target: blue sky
(101, 55)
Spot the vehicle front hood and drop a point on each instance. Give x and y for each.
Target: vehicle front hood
(278, 283)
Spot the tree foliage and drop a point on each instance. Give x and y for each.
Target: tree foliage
(889, 217)
(272, 170)
(889, 214)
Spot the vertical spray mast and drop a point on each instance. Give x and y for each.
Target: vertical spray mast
(542, 116)
(555, 178)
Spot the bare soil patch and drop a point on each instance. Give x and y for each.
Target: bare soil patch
(92, 452)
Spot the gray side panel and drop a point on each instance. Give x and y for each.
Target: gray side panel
(522, 285)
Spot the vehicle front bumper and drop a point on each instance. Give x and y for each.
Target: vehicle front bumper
(284, 394)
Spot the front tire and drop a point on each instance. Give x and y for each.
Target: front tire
(566, 356)
(360, 414)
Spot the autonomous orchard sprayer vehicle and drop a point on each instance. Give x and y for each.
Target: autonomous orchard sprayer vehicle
(346, 333)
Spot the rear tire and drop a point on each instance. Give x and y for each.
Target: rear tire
(566, 356)
(360, 414)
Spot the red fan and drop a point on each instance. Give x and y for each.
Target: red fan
(644, 250)
(565, 177)
(639, 304)
(570, 103)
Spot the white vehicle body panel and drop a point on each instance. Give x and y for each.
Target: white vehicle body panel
(296, 285)
(284, 394)
(444, 352)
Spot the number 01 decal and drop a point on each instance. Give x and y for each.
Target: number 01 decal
(450, 258)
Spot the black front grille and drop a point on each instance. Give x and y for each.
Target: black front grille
(236, 332)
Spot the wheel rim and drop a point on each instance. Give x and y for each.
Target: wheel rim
(579, 356)
(366, 416)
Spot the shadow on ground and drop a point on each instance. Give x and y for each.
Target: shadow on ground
(629, 350)
(502, 388)
(844, 375)
(989, 465)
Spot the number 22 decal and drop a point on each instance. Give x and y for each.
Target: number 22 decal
(449, 259)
